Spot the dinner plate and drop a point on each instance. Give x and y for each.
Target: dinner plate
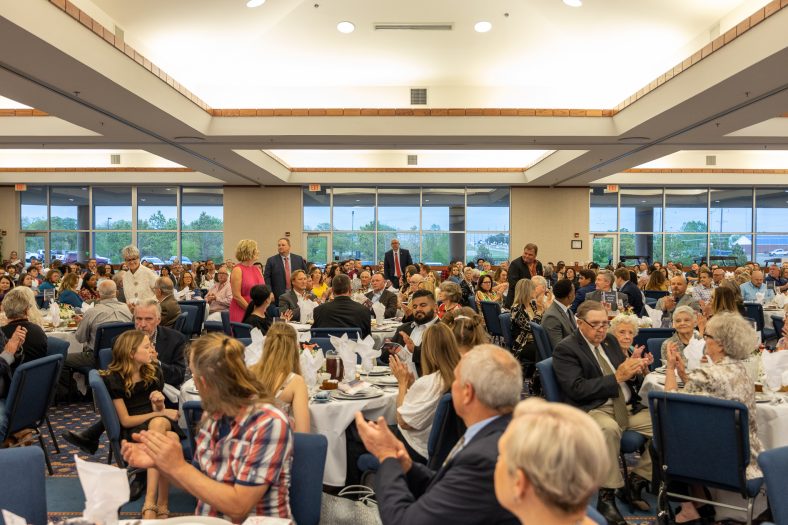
(379, 371)
(198, 520)
(762, 398)
(369, 393)
(383, 380)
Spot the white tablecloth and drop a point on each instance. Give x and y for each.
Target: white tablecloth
(772, 419)
(332, 419)
(379, 333)
(74, 346)
(767, 317)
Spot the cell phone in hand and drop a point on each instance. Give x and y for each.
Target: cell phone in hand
(391, 347)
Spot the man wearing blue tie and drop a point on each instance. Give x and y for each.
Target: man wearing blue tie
(486, 387)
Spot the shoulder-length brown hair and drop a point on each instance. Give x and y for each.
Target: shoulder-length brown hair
(439, 353)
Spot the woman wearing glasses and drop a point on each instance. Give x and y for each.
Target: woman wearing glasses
(138, 281)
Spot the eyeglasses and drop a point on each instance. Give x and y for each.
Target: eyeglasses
(129, 259)
(596, 325)
(707, 336)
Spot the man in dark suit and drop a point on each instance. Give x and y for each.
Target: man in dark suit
(379, 294)
(559, 321)
(587, 281)
(523, 267)
(594, 376)
(343, 311)
(279, 268)
(485, 389)
(409, 334)
(169, 307)
(628, 288)
(297, 294)
(604, 292)
(394, 263)
(169, 348)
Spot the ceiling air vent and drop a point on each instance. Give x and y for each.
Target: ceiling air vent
(413, 160)
(711, 160)
(415, 27)
(114, 159)
(418, 96)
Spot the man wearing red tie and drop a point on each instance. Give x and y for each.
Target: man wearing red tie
(394, 263)
(279, 267)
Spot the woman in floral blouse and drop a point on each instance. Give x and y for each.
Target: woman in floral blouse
(531, 299)
(485, 291)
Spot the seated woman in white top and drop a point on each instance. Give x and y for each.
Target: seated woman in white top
(418, 399)
(279, 371)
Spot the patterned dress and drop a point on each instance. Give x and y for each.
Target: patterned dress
(523, 344)
(729, 380)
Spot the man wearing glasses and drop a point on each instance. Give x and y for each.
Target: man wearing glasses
(594, 376)
(139, 281)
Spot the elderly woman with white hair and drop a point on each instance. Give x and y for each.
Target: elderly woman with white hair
(730, 339)
(685, 320)
(624, 327)
(19, 306)
(549, 463)
(138, 281)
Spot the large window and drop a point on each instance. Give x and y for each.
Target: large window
(436, 225)
(74, 223)
(728, 226)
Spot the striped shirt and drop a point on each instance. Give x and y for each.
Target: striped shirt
(254, 448)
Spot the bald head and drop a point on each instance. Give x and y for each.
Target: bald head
(107, 289)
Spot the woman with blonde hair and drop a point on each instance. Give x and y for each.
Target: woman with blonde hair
(228, 480)
(467, 327)
(68, 291)
(527, 307)
(279, 370)
(243, 277)
(135, 386)
(549, 464)
(418, 399)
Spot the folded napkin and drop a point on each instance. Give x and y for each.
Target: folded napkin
(54, 313)
(305, 336)
(254, 352)
(307, 311)
(171, 393)
(655, 316)
(12, 519)
(311, 363)
(85, 307)
(380, 311)
(779, 300)
(346, 349)
(775, 365)
(693, 353)
(365, 349)
(106, 488)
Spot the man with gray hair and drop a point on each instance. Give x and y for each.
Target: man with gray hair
(138, 282)
(107, 310)
(170, 309)
(487, 385)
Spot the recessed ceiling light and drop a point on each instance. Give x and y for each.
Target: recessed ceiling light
(574, 3)
(255, 3)
(716, 201)
(642, 201)
(482, 27)
(346, 27)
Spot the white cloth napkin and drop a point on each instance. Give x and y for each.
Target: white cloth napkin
(380, 311)
(311, 363)
(85, 307)
(106, 488)
(12, 519)
(307, 311)
(693, 352)
(366, 349)
(54, 313)
(171, 393)
(779, 300)
(254, 352)
(775, 364)
(654, 315)
(346, 349)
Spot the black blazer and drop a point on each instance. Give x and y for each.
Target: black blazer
(387, 299)
(634, 296)
(388, 265)
(519, 270)
(274, 272)
(406, 327)
(343, 312)
(580, 377)
(289, 301)
(462, 491)
(171, 346)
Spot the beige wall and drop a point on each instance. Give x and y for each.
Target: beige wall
(263, 214)
(9, 220)
(549, 217)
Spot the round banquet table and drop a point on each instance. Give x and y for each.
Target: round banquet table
(380, 333)
(66, 334)
(331, 420)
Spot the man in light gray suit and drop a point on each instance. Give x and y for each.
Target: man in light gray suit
(559, 321)
(605, 294)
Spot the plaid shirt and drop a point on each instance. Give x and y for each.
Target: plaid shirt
(255, 448)
(701, 293)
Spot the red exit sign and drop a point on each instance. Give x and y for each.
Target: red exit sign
(314, 187)
(612, 188)
(20, 187)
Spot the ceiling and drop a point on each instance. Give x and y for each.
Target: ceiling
(551, 96)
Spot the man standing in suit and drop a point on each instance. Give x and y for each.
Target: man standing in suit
(523, 267)
(379, 294)
(486, 387)
(296, 295)
(422, 306)
(604, 292)
(594, 376)
(394, 263)
(630, 289)
(279, 268)
(343, 312)
(559, 321)
(170, 309)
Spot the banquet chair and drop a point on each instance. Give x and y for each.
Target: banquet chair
(323, 342)
(491, 310)
(654, 347)
(180, 322)
(543, 345)
(447, 428)
(306, 477)
(192, 319)
(241, 330)
(682, 424)
(472, 303)
(25, 494)
(105, 338)
(352, 333)
(246, 341)
(192, 413)
(595, 516)
(199, 318)
(506, 329)
(108, 416)
(774, 464)
(225, 315)
(30, 395)
(644, 334)
(779, 323)
(755, 311)
(56, 346)
(105, 358)
(655, 294)
(552, 392)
